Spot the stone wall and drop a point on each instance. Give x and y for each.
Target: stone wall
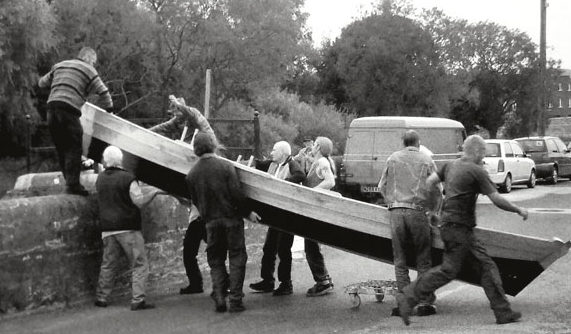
(559, 127)
(50, 245)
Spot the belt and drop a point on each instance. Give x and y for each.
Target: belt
(456, 225)
(397, 205)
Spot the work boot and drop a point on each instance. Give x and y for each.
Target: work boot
(285, 288)
(236, 306)
(405, 309)
(76, 190)
(425, 310)
(507, 317)
(319, 289)
(100, 303)
(263, 286)
(220, 303)
(190, 289)
(141, 306)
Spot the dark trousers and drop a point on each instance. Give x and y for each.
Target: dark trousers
(225, 238)
(195, 233)
(410, 232)
(316, 262)
(462, 248)
(67, 135)
(277, 243)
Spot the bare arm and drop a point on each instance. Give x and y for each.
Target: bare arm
(324, 172)
(506, 205)
(138, 197)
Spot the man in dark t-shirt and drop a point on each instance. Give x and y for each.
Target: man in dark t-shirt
(463, 180)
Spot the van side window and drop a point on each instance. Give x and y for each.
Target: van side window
(560, 145)
(508, 150)
(551, 147)
(518, 152)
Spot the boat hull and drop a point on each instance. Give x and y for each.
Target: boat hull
(350, 225)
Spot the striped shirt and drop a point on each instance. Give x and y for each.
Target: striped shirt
(72, 81)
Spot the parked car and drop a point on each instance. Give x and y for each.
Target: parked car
(507, 164)
(552, 158)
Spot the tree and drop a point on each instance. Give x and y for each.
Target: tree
(493, 69)
(386, 65)
(26, 32)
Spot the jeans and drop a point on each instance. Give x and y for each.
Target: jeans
(410, 232)
(316, 262)
(67, 135)
(225, 238)
(277, 243)
(461, 247)
(195, 233)
(133, 246)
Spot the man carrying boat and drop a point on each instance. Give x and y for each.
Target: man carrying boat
(71, 82)
(215, 189)
(282, 166)
(410, 202)
(463, 180)
(321, 176)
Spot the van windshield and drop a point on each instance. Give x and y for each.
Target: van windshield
(441, 141)
(532, 145)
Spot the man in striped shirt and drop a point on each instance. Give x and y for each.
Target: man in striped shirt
(71, 82)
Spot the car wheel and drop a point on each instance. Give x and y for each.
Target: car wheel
(554, 176)
(506, 187)
(532, 180)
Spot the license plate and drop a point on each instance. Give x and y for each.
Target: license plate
(370, 189)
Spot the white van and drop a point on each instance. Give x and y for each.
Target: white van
(371, 140)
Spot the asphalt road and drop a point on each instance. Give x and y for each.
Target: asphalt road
(462, 308)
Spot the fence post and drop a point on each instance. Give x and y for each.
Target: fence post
(28, 143)
(257, 134)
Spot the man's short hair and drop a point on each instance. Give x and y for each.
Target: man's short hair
(411, 138)
(473, 144)
(204, 143)
(112, 157)
(284, 147)
(88, 55)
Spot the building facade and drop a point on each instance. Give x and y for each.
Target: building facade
(559, 104)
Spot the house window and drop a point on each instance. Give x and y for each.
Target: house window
(560, 103)
(569, 105)
(569, 87)
(560, 86)
(550, 105)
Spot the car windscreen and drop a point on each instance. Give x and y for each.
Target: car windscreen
(493, 150)
(532, 145)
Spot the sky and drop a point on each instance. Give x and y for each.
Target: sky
(328, 17)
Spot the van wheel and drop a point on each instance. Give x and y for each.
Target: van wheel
(532, 180)
(506, 187)
(554, 176)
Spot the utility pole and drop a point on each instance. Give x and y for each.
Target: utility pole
(542, 64)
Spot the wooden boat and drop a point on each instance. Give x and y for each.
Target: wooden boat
(344, 223)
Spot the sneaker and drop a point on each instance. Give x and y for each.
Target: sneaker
(508, 317)
(191, 289)
(405, 310)
(263, 286)
(141, 306)
(236, 306)
(100, 303)
(319, 289)
(425, 310)
(219, 302)
(285, 288)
